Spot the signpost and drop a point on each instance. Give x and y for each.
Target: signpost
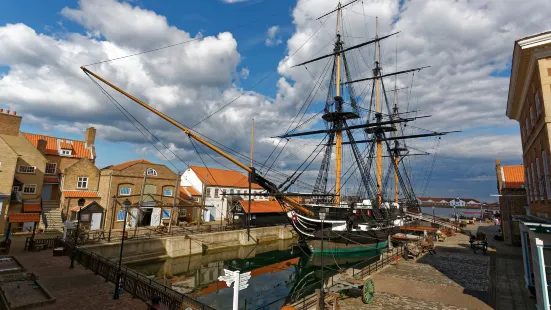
(240, 281)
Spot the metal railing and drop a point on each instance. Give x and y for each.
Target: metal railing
(48, 242)
(136, 284)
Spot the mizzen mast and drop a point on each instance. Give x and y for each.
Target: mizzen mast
(378, 115)
(338, 101)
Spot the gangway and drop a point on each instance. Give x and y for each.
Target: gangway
(437, 220)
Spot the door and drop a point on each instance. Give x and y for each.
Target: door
(96, 221)
(47, 192)
(134, 217)
(156, 217)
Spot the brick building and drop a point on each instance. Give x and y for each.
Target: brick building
(512, 199)
(149, 187)
(529, 103)
(212, 183)
(70, 175)
(22, 172)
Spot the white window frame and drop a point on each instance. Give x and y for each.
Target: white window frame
(207, 194)
(15, 188)
(66, 152)
(122, 194)
(151, 172)
(23, 169)
(216, 193)
(546, 173)
(29, 186)
(183, 212)
(168, 189)
(82, 182)
(55, 168)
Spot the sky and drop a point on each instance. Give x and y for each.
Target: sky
(232, 60)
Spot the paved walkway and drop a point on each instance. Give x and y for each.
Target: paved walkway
(76, 288)
(510, 289)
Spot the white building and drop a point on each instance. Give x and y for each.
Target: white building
(215, 182)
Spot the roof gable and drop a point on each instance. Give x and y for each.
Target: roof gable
(127, 164)
(221, 177)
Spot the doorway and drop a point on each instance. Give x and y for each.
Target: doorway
(146, 216)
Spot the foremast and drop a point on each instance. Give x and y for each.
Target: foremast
(338, 101)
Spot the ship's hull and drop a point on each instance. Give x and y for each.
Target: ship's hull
(347, 231)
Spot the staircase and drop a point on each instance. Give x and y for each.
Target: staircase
(52, 215)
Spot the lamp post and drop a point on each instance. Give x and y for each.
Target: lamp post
(80, 203)
(126, 205)
(433, 219)
(322, 213)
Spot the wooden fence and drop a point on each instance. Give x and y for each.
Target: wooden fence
(136, 284)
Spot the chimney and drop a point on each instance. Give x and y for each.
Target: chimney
(14, 113)
(9, 124)
(41, 146)
(90, 136)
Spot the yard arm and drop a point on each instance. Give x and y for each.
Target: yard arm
(270, 187)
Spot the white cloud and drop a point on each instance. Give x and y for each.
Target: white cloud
(272, 38)
(234, 1)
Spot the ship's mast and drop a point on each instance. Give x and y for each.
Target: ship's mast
(396, 116)
(338, 134)
(378, 115)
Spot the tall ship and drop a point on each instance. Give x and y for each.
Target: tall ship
(371, 130)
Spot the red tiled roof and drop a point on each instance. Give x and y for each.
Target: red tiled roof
(51, 180)
(81, 194)
(23, 217)
(78, 147)
(221, 177)
(262, 206)
(513, 176)
(192, 191)
(127, 164)
(65, 145)
(32, 207)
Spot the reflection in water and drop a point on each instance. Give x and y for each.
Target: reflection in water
(281, 272)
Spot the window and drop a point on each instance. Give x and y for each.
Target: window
(120, 215)
(151, 171)
(538, 105)
(82, 182)
(26, 169)
(183, 212)
(66, 152)
(166, 213)
(50, 168)
(29, 188)
(546, 174)
(15, 189)
(125, 191)
(216, 193)
(196, 199)
(532, 120)
(208, 192)
(167, 192)
(540, 179)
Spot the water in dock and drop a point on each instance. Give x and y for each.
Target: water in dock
(281, 272)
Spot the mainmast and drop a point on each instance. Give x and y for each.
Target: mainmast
(378, 115)
(338, 137)
(396, 143)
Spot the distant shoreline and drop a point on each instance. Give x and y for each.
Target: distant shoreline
(448, 207)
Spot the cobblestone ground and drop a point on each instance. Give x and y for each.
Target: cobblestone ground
(387, 301)
(454, 278)
(76, 288)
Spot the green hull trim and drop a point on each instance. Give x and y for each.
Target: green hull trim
(351, 250)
